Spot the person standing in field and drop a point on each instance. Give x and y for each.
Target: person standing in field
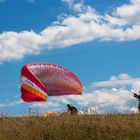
(138, 97)
(72, 110)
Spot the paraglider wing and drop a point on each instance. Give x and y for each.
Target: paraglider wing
(31, 87)
(39, 80)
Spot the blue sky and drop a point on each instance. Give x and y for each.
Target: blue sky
(97, 40)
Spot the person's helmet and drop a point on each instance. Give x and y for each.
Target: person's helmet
(68, 105)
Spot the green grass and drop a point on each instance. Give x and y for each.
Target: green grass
(90, 127)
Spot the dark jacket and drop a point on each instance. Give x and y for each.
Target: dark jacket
(137, 96)
(72, 110)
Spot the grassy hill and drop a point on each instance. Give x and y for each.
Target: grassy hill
(86, 127)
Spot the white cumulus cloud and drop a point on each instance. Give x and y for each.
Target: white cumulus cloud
(87, 25)
(120, 80)
(113, 100)
(9, 103)
(106, 100)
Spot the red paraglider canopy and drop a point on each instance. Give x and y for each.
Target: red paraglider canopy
(40, 80)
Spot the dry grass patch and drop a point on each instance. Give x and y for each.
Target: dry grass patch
(86, 127)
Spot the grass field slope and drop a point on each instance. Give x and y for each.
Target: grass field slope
(80, 127)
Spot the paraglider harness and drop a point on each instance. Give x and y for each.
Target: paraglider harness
(138, 97)
(72, 110)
